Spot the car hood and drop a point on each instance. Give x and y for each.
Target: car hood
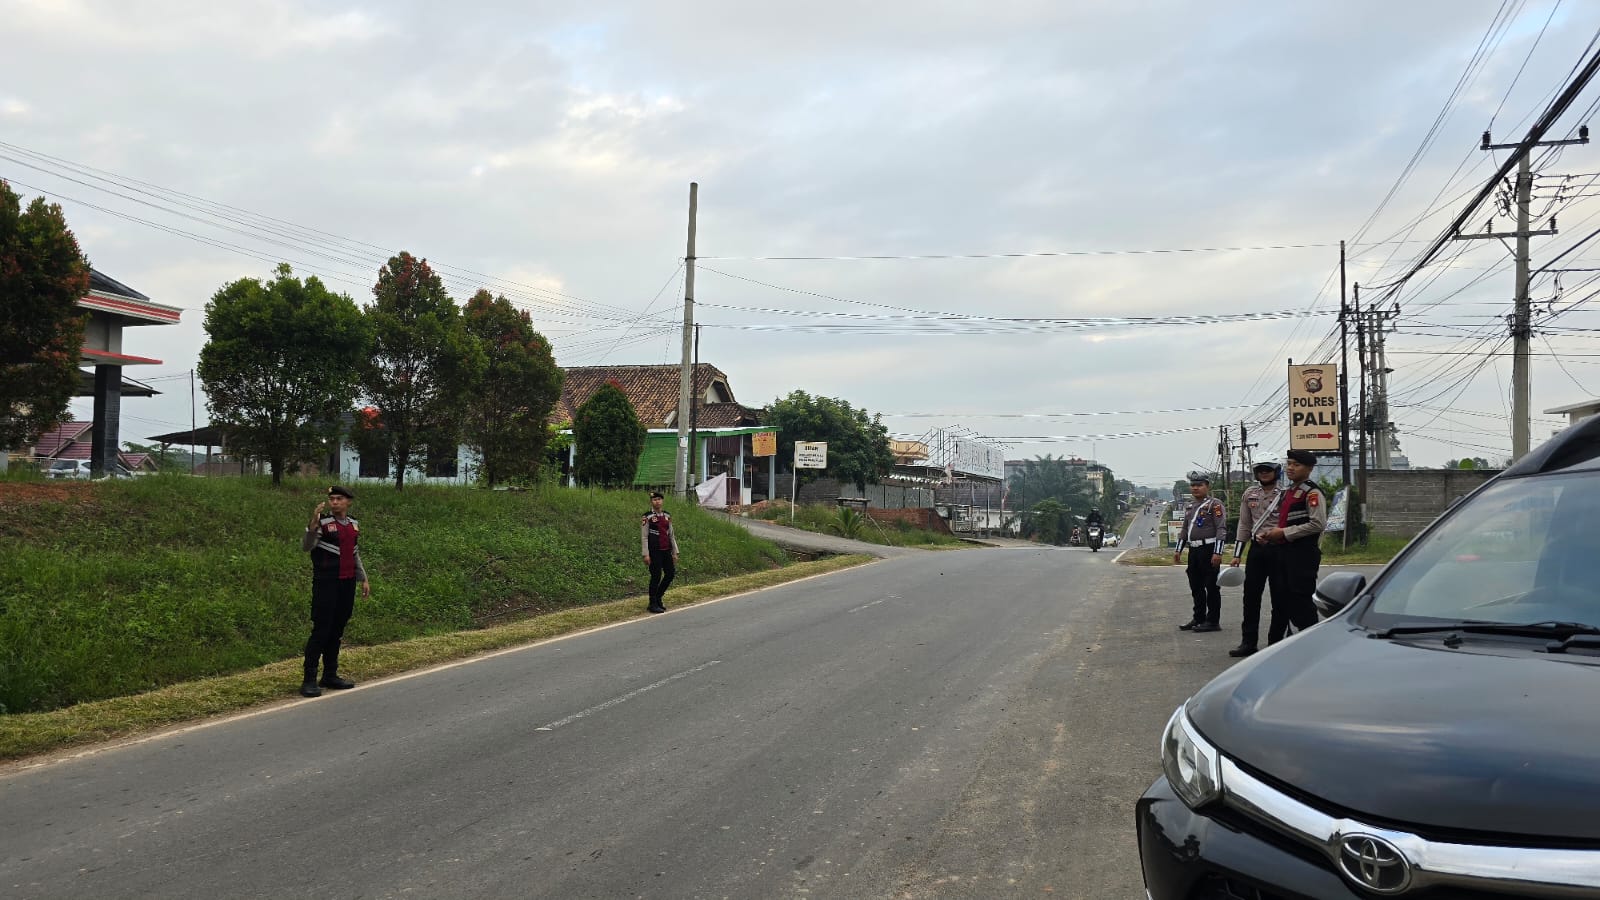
(1412, 734)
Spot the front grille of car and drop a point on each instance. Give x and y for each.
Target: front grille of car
(1219, 887)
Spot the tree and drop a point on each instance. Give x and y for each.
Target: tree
(1180, 489)
(1048, 521)
(43, 275)
(858, 443)
(278, 365)
(167, 460)
(1051, 478)
(423, 364)
(609, 438)
(521, 384)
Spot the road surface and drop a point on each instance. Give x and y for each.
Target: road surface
(967, 724)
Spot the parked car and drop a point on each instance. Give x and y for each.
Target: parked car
(1435, 736)
(67, 468)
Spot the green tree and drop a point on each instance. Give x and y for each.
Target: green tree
(278, 365)
(423, 365)
(1180, 489)
(609, 437)
(521, 384)
(858, 443)
(1048, 521)
(43, 275)
(1052, 478)
(166, 460)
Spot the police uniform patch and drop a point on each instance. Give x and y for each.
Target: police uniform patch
(1254, 503)
(1313, 498)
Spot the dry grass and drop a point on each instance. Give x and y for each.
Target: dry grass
(27, 734)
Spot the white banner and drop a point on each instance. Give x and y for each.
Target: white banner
(976, 458)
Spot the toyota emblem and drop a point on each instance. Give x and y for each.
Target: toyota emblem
(1375, 864)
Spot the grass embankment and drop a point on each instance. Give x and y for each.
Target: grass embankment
(826, 520)
(123, 586)
(27, 734)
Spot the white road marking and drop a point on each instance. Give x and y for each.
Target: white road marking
(625, 697)
(865, 605)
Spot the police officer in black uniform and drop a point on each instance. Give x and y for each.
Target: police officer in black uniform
(659, 544)
(336, 571)
(1302, 517)
(1203, 534)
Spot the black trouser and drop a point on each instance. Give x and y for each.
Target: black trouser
(1296, 565)
(332, 602)
(662, 570)
(1203, 584)
(1259, 572)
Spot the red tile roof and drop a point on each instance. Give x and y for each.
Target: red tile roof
(64, 442)
(653, 391)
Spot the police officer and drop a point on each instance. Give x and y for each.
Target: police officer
(1302, 516)
(1258, 513)
(1203, 534)
(660, 546)
(336, 570)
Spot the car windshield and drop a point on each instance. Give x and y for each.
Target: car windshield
(1523, 550)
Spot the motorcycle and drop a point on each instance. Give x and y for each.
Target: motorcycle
(1096, 538)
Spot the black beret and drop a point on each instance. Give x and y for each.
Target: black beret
(1304, 457)
(339, 490)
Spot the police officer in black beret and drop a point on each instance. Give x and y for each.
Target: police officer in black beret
(336, 571)
(1205, 530)
(1302, 517)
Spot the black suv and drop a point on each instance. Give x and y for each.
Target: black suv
(1438, 736)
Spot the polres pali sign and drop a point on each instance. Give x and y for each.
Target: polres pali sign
(1314, 408)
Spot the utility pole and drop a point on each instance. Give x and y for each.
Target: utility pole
(1245, 456)
(1522, 317)
(680, 473)
(694, 417)
(1380, 393)
(1344, 372)
(1361, 380)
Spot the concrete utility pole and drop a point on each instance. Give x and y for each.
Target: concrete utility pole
(1380, 394)
(1522, 317)
(680, 473)
(1361, 380)
(1344, 371)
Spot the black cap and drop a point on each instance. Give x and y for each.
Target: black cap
(1304, 457)
(339, 490)
(654, 495)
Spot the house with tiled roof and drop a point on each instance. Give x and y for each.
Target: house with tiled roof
(653, 391)
(74, 440)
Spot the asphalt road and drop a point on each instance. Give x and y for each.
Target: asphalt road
(971, 723)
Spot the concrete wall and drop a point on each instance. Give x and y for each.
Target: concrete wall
(879, 496)
(1402, 503)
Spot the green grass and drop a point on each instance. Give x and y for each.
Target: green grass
(826, 520)
(122, 586)
(1378, 550)
(27, 734)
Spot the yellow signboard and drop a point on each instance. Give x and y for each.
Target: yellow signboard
(1314, 408)
(764, 443)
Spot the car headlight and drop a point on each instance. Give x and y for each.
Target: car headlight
(1190, 762)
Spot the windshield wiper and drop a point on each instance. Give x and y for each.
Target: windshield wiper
(1560, 631)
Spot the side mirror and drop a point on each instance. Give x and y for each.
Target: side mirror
(1337, 591)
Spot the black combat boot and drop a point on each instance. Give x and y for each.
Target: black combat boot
(308, 687)
(330, 672)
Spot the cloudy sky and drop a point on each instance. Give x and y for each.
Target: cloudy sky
(544, 150)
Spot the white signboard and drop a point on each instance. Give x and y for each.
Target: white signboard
(1314, 408)
(810, 454)
(976, 458)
